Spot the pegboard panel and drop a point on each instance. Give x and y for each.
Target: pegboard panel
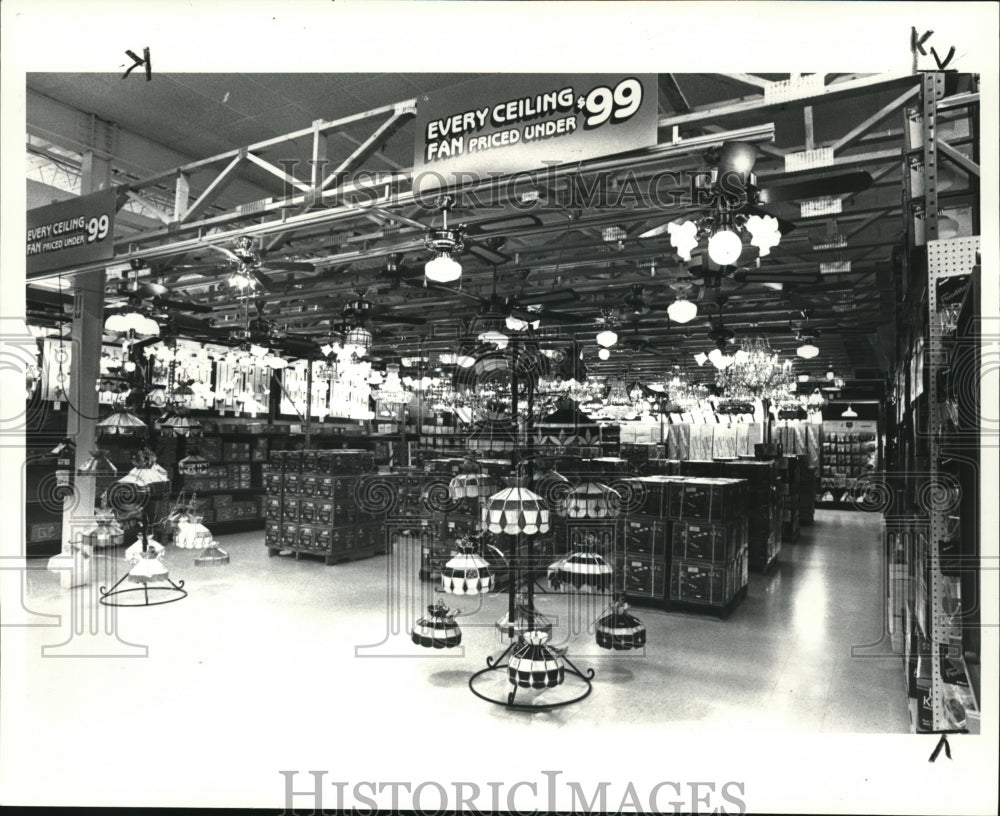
(952, 256)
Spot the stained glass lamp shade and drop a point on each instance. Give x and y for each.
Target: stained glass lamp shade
(533, 663)
(620, 630)
(468, 573)
(516, 510)
(592, 500)
(438, 630)
(147, 563)
(121, 422)
(583, 570)
(472, 486)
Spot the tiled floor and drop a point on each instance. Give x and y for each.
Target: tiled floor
(263, 653)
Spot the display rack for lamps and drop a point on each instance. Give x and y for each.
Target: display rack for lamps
(145, 556)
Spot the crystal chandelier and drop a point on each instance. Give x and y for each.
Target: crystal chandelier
(391, 392)
(756, 372)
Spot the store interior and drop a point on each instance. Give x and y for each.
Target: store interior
(684, 431)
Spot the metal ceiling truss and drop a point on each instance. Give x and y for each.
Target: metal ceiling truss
(323, 215)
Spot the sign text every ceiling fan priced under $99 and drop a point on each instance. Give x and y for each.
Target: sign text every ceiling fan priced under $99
(590, 116)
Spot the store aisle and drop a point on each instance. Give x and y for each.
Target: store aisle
(781, 661)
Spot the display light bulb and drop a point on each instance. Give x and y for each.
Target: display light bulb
(764, 233)
(724, 247)
(720, 360)
(682, 310)
(807, 351)
(442, 268)
(604, 353)
(683, 238)
(607, 338)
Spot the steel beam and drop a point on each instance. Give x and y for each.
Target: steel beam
(211, 192)
(856, 132)
(364, 150)
(963, 161)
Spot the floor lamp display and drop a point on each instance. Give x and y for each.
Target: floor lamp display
(132, 494)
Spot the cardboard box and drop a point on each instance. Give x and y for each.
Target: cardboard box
(290, 509)
(708, 499)
(705, 583)
(272, 508)
(646, 538)
(272, 533)
(709, 541)
(289, 534)
(291, 483)
(307, 511)
(643, 577)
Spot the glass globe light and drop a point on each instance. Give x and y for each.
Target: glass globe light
(724, 247)
(442, 268)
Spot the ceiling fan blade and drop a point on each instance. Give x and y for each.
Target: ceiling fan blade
(289, 266)
(227, 252)
(402, 219)
(547, 314)
(265, 282)
(486, 254)
(853, 182)
(182, 305)
(507, 222)
(553, 296)
(398, 318)
(437, 287)
(784, 227)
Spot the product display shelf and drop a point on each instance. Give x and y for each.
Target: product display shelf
(944, 438)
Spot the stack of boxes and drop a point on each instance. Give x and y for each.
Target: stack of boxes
(788, 501)
(709, 541)
(311, 505)
(807, 491)
(763, 520)
(686, 541)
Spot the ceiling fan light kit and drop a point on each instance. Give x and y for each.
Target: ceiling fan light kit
(807, 351)
(725, 247)
(682, 310)
(607, 338)
(442, 268)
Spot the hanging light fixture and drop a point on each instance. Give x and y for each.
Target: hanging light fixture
(719, 359)
(358, 340)
(683, 238)
(132, 322)
(701, 358)
(533, 664)
(725, 246)
(516, 510)
(495, 338)
(438, 630)
(604, 354)
(467, 573)
(445, 244)
(620, 630)
(607, 338)
(682, 310)
(121, 422)
(592, 500)
(807, 350)
(764, 232)
(391, 392)
(850, 413)
(584, 570)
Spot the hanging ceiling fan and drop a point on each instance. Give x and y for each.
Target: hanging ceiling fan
(250, 268)
(136, 293)
(730, 186)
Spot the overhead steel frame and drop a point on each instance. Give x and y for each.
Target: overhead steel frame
(321, 191)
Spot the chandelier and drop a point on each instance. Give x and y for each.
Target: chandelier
(756, 372)
(391, 392)
(683, 393)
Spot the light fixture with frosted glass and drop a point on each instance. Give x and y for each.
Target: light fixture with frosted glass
(445, 243)
(682, 310)
(604, 353)
(607, 338)
(724, 247)
(807, 351)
